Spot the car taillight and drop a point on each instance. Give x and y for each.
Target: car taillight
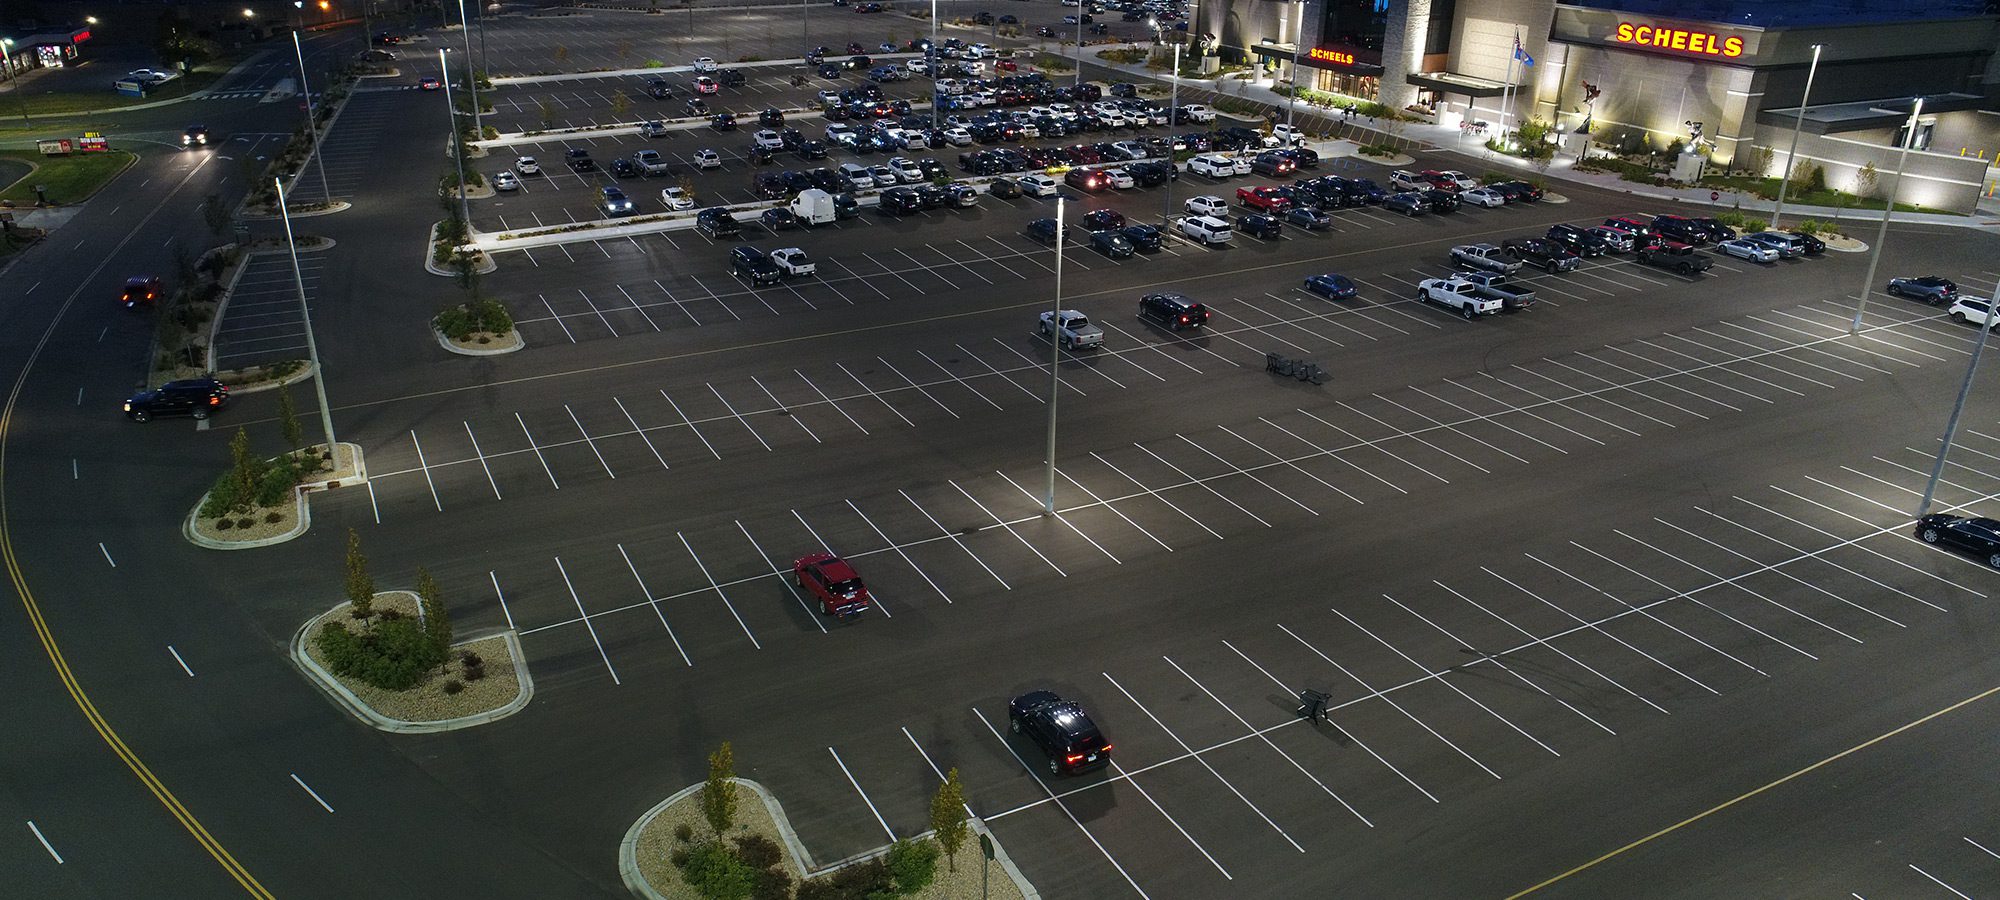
(215, 401)
(1184, 320)
(1073, 758)
(1106, 749)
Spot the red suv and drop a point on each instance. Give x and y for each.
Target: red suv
(833, 583)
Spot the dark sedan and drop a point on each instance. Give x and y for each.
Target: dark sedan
(1111, 243)
(1977, 535)
(1331, 286)
(1308, 218)
(1931, 289)
(1103, 220)
(1145, 238)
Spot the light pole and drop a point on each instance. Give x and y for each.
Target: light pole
(14, 78)
(1173, 121)
(457, 142)
(1958, 408)
(1888, 206)
(1298, 41)
(471, 74)
(312, 120)
(931, 67)
(305, 315)
(1055, 365)
(1798, 124)
(1080, 7)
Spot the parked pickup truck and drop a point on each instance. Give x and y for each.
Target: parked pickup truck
(652, 128)
(794, 261)
(1674, 255)
(1075, 332)
(1484, 257)
(651, 162)
(1541, 252)
(1496, 287)
(1459, 294)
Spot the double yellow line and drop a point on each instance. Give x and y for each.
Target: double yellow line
(48, 639)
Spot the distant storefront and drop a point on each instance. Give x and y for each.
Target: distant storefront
(41, 50)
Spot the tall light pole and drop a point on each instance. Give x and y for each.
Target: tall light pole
(1798, 124)
(457, 142)
(312, 120)
(1080, 7)
(1055, 365)
(305, 316)
(1298, 42)
(1958, 408)
(471, 74)
(931, 67)
(1173, 121)
(1888, 207)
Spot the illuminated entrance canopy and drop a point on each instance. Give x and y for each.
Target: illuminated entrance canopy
(1702, 42)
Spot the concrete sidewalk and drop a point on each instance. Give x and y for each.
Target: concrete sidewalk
(1441, 139)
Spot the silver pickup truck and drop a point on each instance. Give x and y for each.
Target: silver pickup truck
(1484, 257)
(1074, 331)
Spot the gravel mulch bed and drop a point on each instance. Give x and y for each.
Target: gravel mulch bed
(487, 340)
(657, 842)
(428, 702)
(288, 519)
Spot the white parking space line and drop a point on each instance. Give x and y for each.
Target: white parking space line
(587, 440)
(718, 590)
(953, 376)
(1203, 762)
(1494, 419)
(1140, 343)
(1404, 433)
(1666, 384)
(427, 471)
(1202, 482)
(872, 393)
(1789, 345)
(783, 576)
(823, 545)
(653, 601)
(783, 410)
(1384, 697)
(1344, 733)
(1267, 741)
(1612, 385)
(1134, 782)
(1003, 376)
(482, 459)
(864, 795)
(1691, 374)
(1497, 660)
(593, 305)
(1443, 681)
(677, 302)
(1913, 867)
(948, 533)
(898, 548)
(1059, 516)
(1246, 473)
(641, 432)
(538, 450)
(1113, 508)
(1735, 584)
(690, 424)
(1062, 806)
(1551, 644)
(1755, 362)
(1672, 594)
(829, 401)
(1870, 551)
(586, 621)
(637, 308)
(1333, 454)
(1063, 381)
(1010, 528)
(1153, 493)
(1787, 575)
(295, 780)
(558, 319)
(1563, 402)
(1294, 466)
(1821, 558)
(1447, 426)
(1724, 366)
(920, 389)
(864, 282)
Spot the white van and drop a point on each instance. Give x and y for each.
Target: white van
(813, 207)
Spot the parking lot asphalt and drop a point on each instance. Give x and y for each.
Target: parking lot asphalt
(1571, 575)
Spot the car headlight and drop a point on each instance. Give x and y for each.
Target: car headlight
(128, 406)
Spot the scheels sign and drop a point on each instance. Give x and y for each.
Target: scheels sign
(1332, 56)
(1702, 42)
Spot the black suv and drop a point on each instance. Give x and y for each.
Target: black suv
(716, 222)
(754, 264)
(195, 397)
(901, 201)
(1063, 731)
(579, 159)
(1683, 229)
(1582, 240)
(1172, 311)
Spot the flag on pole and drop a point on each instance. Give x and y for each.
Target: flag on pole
(1521, 54)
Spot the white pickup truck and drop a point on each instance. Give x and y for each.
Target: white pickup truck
(1459, 294)
(1075, 332)
(794, 261)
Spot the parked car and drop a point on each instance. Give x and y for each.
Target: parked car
(1206, 205)
(1061, 729)
(1040, 185)
(1264, 198)
(505, 181)
(1617, 240)
(1485, 257)
(1551, 256)
(1144, 238)
(1043, 230)
(707, 159)
(1003, 188)
(1071, 328)
(1206, 229)
(1583, 241)
(1810, 244)
(1458, 294)
(1979, 536)
(579, 159)
(676, 199)
(777, 219)
(194, 397)
(1331, 286)
(1674, 255)
(1518, 191)
(614, 202)
(1261, 225)
(1932, 289)
(1409, 203)
(1788, 246)
(1485, 196)
(1308, 218)
(833, 583)
(717, 222)
(749, 262)
(526, 165)
(1965, 310)
(1750, 250)
(1173, 311)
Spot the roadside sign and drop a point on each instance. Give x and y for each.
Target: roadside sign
(58, 147)
(93, 142)
(129, 88)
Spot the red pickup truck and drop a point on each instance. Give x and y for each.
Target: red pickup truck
(1265, 198)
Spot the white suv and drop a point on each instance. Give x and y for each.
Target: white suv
(1207, 205)
(1214, 165)
(1964, 310)
(1040, 185)
(1207, 229)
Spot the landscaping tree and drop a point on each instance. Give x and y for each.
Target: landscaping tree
(243, 466)
(1866, 179)
(215, 213)
(437, 622)
(360, 584)
(1761, 159)
(562, 54)
(288, 420)
(948, 817)
(718, 796)
(912, 865)
(543, 109)
(620, 104)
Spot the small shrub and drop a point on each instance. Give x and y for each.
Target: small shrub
(757, 851)
(452, 686)
(273, 517)
(861, 881)
(912, 865)
(224, 524)
(394, 656)
(276, 485)
(717, 874)
(246, 522)
(471, 659)
(772, 884)
(683, 833)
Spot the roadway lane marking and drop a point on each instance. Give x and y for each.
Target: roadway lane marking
(654, 602)
(178, 659)
(1204, 763)
(482, 459)
(427, 471)
(107, 554)
(864, 795)
(538, 451)
(592, 444)
(586, 621)
(1769, 786)
(790, 584)
(690, 424)
(1267, 741)
(45, 842)
(1061, 806)
(503, 599)
(1384, 697)
(310, 792)
(823, 545)
(718, 590)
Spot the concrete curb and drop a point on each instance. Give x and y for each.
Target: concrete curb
(306, 371)
(339, 692)
(486, 267)
(802, 864)
(302, 502)
(445, 342)
(499, 80)
(334, 207)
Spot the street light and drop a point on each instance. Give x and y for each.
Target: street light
(89, 20)
(249, 14)
(1798, 124)
(305, 316)
(457, 140)
(312, 121)
(1888, 206)
(1173, 119)
(471, 76)
(1055, 360)
(1298, 42)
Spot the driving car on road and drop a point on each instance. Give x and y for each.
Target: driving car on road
(1331, 286)
(1932, 289)
(1977, 535)
(429, 84)
(1173, 311)
(615, 202)
(194, 397)
(1061, 729)
(833, 584)
(195, 136)
(140, 290)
